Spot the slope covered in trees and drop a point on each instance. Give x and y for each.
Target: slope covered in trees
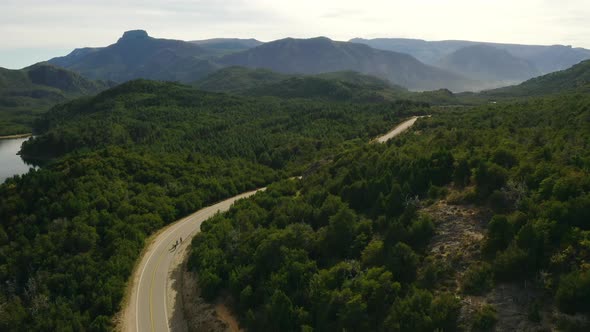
(344, 248)
(576, 78)
(133, 159)
(171, 117)
(30, 91)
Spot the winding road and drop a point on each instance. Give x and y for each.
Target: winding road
(147, 307)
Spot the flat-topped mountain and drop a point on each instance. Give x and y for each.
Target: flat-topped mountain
(321, 55)
(137, 55)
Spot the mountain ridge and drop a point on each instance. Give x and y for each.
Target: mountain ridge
(321, 54)
(137, 55)
(547, 58)
(490, 64)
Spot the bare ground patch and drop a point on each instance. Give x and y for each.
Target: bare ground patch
(460, 232)
(189, 311)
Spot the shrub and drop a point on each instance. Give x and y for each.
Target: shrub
(511, 264)
(573, 293)
(478, 279)
(485, 319)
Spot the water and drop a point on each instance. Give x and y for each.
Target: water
(11, 163)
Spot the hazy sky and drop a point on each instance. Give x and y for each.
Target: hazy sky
(35, 30)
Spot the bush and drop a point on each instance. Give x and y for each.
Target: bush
(485, 319)
(499, 201)
(500, 233)
(511, 264)
(573, 293)
(478, 279)
(489, 177)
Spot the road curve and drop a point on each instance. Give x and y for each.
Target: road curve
(146, 309)
(398, 130)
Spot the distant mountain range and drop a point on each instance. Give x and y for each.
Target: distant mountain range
(545, 58)
(137, 55)
(489, 64)
(322, 55)
(413, 64)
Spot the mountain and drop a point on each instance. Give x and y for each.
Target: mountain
(346, 85)
(227, 45)
(546, 59)
(137, 55)
(487, 63)
(574, 79)
(26, 92)
(321, 55)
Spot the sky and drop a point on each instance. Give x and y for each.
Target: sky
(36, 30)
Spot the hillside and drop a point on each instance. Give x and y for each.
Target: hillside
(490, 64)
(338, 86)
(574, 79)
(356, 244)
(146, 154)
(464, 223)
(137, 55)
(238, 79)
(32, 90)
(172, 117)
(321, 55)
(546, 59)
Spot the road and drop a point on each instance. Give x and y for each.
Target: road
(147, 306)
(398, 130)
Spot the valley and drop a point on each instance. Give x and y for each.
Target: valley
(294, 184)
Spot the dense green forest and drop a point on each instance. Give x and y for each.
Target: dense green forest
(170, 117)
(344, 248)
(133, 159)
(26, 93)
(576, 78)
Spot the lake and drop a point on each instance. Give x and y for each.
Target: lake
(11, 163)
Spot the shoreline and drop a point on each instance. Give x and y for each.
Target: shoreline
(16, 136)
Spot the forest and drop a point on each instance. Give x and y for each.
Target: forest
(123, 164)
(344, 248)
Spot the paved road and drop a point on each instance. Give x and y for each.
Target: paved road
(147, 306)
(398, 130)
